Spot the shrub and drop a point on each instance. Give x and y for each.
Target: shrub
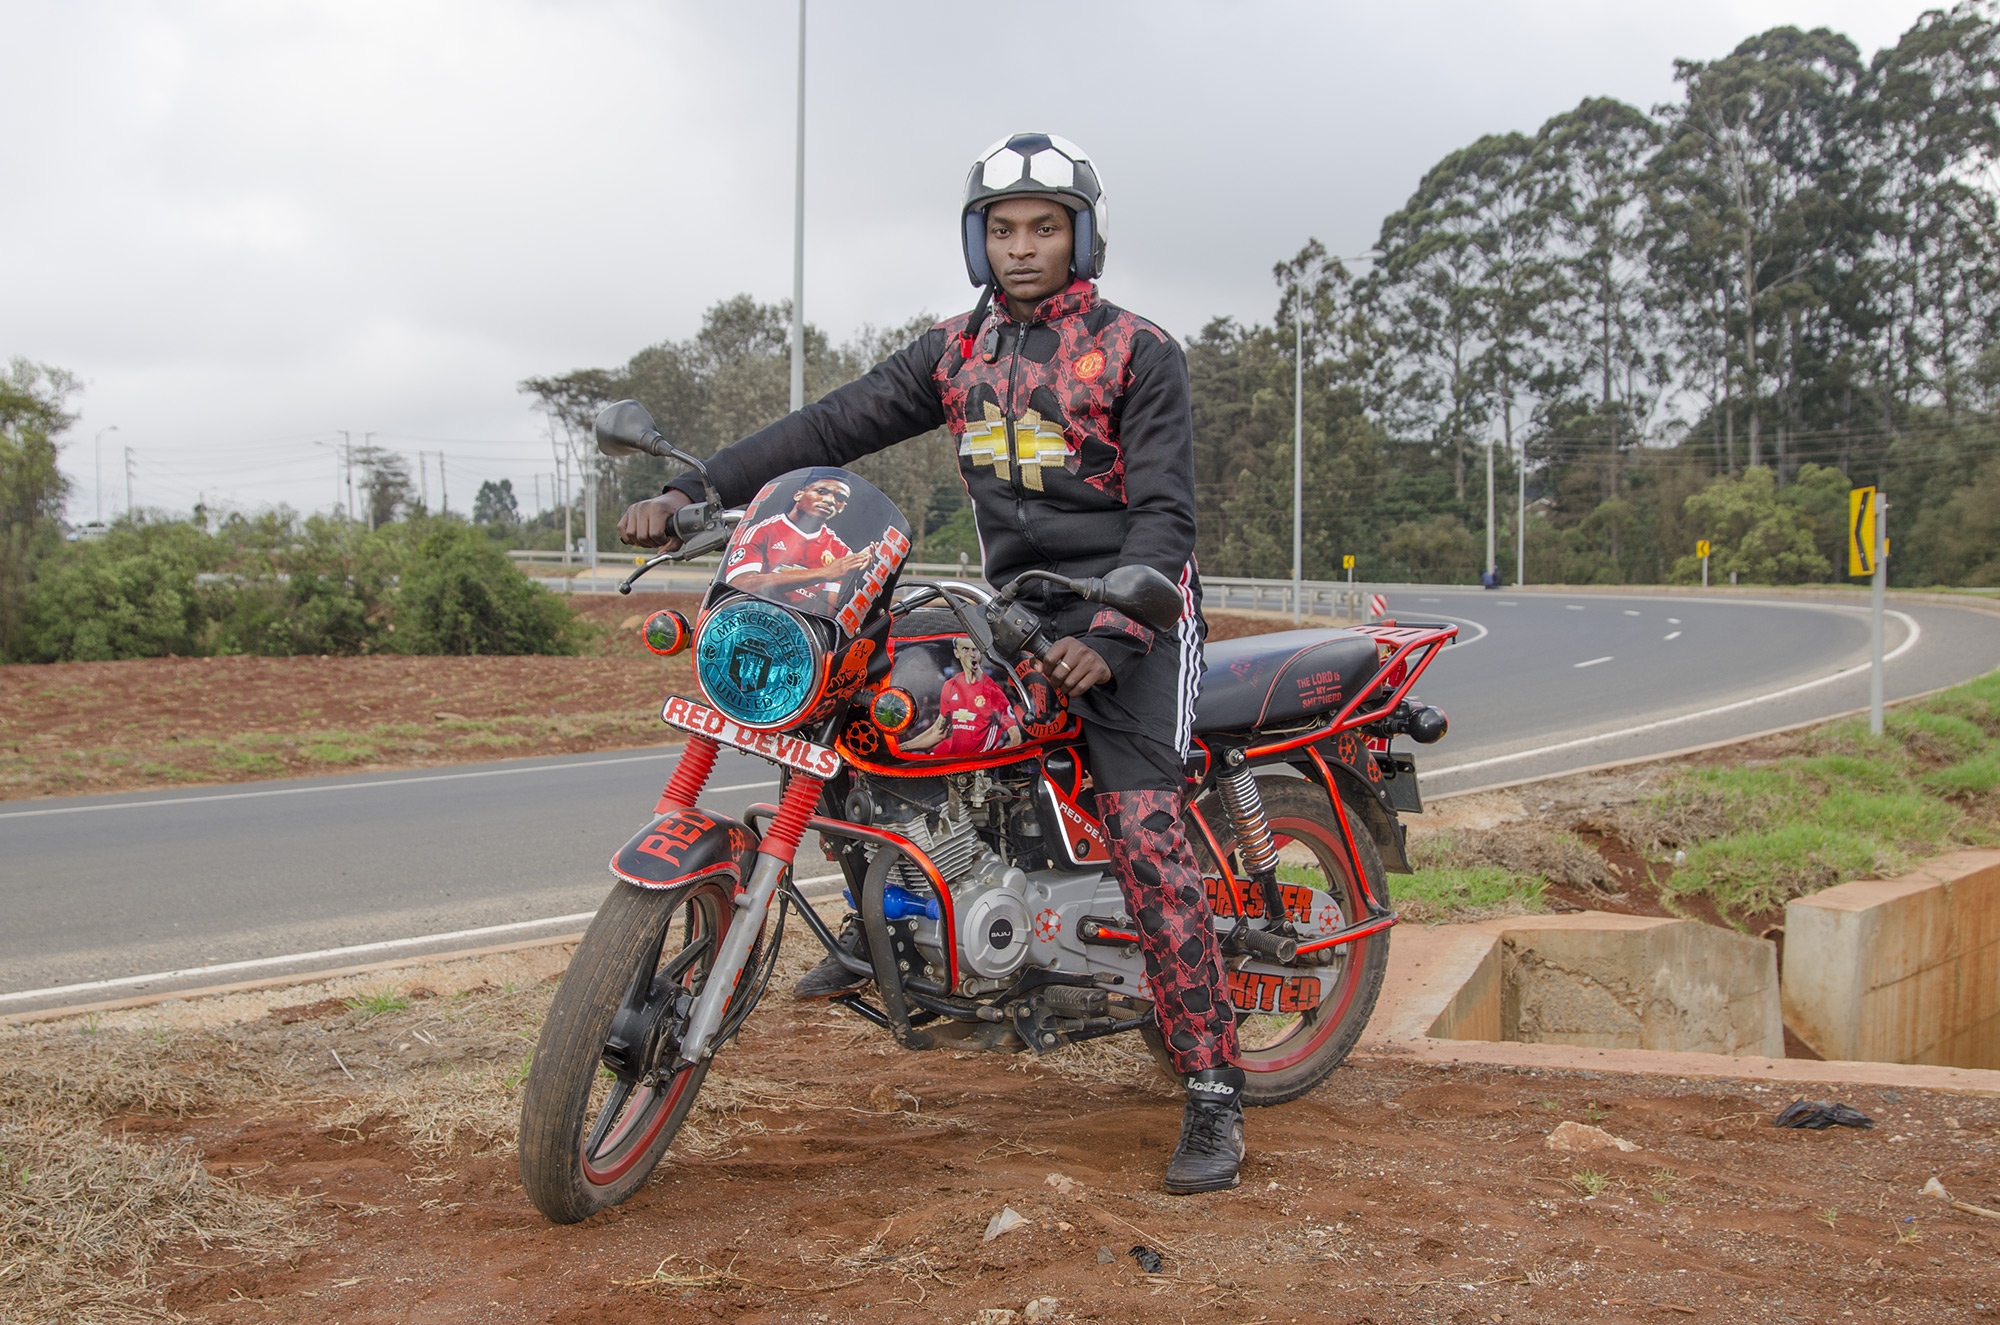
(130, 594)
(461, 595)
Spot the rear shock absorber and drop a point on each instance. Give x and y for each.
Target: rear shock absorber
(1258, 854)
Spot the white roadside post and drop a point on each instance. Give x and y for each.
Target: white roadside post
(1879, 585)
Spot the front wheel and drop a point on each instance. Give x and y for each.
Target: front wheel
(1284, 1055)
(591, 1136)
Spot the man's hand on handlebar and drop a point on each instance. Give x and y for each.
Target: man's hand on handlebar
(1074, 666)
(650, 523)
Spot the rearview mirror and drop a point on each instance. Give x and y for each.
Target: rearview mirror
(1143, 594)
(625, 428)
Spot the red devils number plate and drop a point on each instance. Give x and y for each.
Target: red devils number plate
(792, 751)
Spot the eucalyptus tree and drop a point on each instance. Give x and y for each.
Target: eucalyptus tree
(1587, 172)
(1433, 290)
(1931, 116)
(1752, 187)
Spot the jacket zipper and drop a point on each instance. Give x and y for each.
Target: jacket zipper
(1013, 448)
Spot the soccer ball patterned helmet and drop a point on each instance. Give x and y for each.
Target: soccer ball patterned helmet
(1035, 165)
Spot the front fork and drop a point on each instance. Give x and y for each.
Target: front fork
(774, 857)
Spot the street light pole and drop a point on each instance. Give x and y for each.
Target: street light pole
(799, 234)
(99, 447)
(1298, 452)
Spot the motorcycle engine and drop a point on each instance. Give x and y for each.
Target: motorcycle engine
(957, 821)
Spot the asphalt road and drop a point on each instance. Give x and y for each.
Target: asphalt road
(114, 896)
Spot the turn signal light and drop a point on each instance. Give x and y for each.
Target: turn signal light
(666, 632)
(893, 709)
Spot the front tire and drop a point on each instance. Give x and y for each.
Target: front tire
(588, 1139)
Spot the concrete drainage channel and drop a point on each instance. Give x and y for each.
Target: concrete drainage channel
(1893, 981)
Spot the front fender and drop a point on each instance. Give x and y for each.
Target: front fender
(682, 845)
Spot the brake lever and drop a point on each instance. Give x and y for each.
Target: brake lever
(704, 534)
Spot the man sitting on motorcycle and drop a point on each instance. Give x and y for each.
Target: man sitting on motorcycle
(1076, 445)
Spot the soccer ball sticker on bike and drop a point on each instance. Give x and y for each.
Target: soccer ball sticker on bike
(818, 540)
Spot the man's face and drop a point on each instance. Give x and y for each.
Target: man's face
(968, 657)
(821, 499)
(1028, 241)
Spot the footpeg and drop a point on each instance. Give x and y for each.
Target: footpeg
(1278, 947)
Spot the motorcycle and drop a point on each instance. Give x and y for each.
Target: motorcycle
(948, 779)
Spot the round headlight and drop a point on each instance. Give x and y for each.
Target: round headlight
(757, 662)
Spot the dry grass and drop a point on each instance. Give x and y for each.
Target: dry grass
(72, 1068)
(1533, 849)
(85, 1218)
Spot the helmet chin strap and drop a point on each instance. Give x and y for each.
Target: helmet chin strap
(970, 338)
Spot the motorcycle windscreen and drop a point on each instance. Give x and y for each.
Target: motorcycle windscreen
(818, 540)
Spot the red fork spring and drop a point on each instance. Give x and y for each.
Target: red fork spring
(690, 775)
(789, 824)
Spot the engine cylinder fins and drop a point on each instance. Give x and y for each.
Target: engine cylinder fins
(1245, 806)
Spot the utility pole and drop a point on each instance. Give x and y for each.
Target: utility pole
(1521, 518)
(128, 483)
(347, 459)
(1878, 584)
(368, 489)
(424, 480)
(99, 485)
(1298, 451)
(1492, 558)
(562, 495)
(590, 517)
(799, 235)
(444, 491)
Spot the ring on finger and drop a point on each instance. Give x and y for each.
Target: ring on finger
(1062, 666)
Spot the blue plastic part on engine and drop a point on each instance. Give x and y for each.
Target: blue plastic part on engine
(901, 904)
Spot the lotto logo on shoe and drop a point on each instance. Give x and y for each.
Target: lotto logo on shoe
(792, 751)
(1200, 1087)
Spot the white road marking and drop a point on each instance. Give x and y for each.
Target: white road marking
(1909, 642)
(1430, 600)
(1675, 634)
(1673, 621)
(1630, 612)
(1505, 603)
(1574, 607)
(358, 786)
(256, 963)
(1594, 661)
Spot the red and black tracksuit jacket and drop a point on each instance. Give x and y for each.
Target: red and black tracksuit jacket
(1075, 441)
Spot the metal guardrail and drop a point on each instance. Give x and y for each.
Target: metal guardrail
(1325, 599)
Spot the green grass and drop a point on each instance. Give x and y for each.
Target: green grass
(1851, 806)
(1464, 892)
(338, 748)
(379, 1003)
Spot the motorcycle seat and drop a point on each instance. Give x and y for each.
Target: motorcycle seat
(1268, 680)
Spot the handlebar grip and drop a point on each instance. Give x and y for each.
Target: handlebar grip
(690, 519)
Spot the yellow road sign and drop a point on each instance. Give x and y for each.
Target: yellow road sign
(1861, 531)
(1347, 562)
(1701, 548)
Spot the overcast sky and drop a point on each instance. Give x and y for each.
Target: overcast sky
(246, 226)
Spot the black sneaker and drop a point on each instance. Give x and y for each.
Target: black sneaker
(1211, 1145)
(830, 977)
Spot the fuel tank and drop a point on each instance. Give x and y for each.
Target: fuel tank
(943, 708)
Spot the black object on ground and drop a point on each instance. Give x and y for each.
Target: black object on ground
(1820, 1115)
(1149, 1260)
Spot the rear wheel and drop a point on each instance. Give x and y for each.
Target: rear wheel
(589, 1136)
(1284, 1055)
